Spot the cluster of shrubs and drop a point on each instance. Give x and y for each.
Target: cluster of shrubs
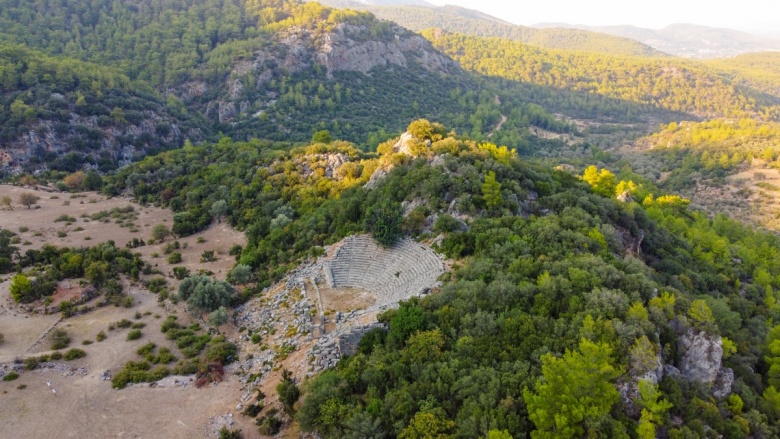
(192, 342)
(124, 324)
(30, 363)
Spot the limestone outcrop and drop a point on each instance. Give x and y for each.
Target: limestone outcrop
(702, 361)
(702, 355)
(345, 48)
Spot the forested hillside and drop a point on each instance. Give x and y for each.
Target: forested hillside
(279, 70)
(760, 70)
(592, 300)
(162, 42)
(470, 22)
(563, 300)
(64, 114)
(672, 84)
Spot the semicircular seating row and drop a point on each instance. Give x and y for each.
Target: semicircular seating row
(396, 273)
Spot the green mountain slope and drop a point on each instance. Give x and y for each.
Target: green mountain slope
(758, 70)
(673, 84)
(279, 70)
(161, 42)
(62, 114)
(470, 22)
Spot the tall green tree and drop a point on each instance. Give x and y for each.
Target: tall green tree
(491, 191)
(575, 394)
(654, 409)
(773, 357)
(384, 220)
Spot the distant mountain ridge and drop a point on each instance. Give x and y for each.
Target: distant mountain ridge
(394, 2)
(471, 22)
(686, 40)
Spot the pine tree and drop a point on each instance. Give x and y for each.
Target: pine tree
(491, 191)
(574, 390)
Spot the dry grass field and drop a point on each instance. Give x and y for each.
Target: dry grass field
(85, 405)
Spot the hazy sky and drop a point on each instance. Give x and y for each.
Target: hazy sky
(742, 14)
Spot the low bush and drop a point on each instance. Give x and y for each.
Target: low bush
(59, 339)
(74, 354)
(253, 410)
(224, 433)
(269, 424)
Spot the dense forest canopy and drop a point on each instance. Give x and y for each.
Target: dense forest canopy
(672, 84)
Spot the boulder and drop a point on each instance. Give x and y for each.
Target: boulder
(702, 355)
(625, 197)
(671, 371)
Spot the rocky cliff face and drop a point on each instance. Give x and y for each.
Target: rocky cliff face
(702, 361)
(100, 134)
(345, 48)
(89, 140)
(702, 355)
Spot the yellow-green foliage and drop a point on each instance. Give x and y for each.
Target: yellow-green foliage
(743, 133)
(673, 201)
(423, 129)
(501, 154)
(603, 182)
(673, 84)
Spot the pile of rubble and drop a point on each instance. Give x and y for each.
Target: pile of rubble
(175, 381)
(217, 422)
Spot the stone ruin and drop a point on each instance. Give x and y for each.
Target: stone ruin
(331, 347)
(400, 272)
(348, 343)
(397, 273)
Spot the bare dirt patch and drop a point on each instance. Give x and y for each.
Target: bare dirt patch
(44, 229)
(751, 196)
(347, 299)
(67, 290)
(218, 238)
(85, 406)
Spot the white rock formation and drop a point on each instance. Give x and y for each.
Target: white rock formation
(702, 355)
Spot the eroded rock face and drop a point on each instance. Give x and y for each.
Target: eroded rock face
(345, 48)
(328, 163)
(123, 142)
(404, 144)
(702, 355)
(723, 383)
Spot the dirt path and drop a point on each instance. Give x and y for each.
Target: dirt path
(498, 127)
(501, 123)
